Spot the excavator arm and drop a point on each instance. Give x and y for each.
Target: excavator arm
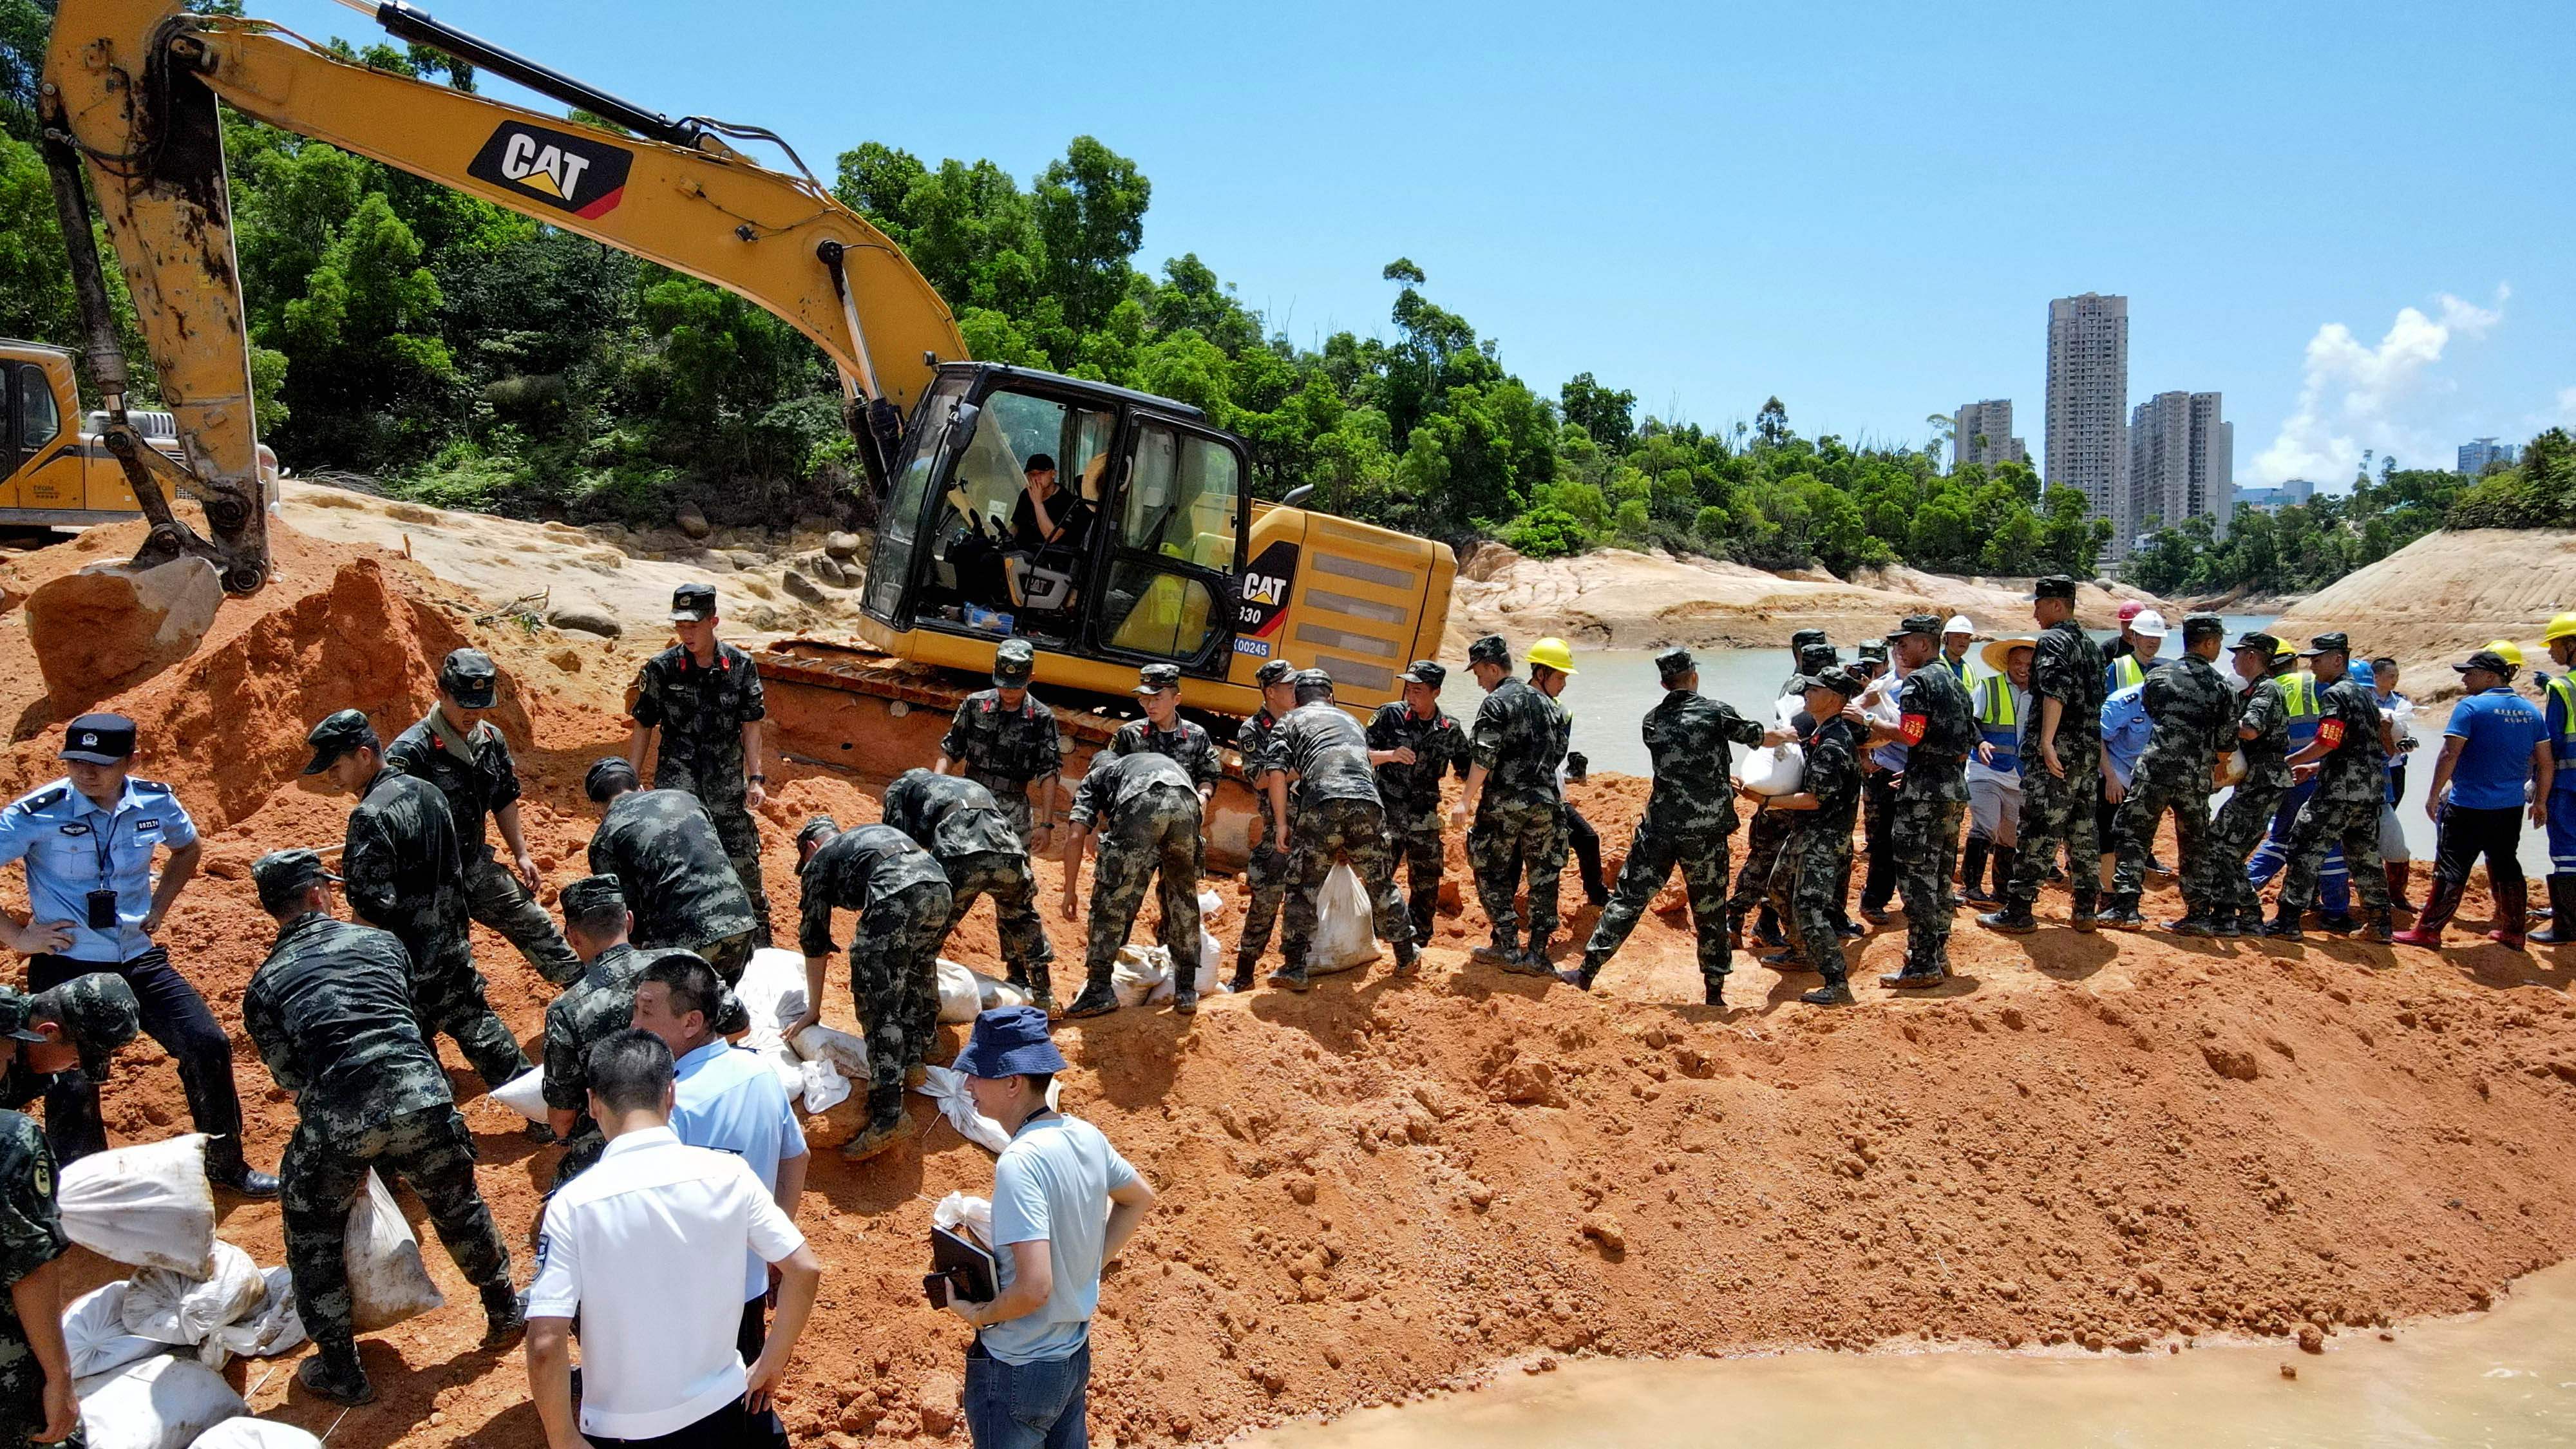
(130, 90)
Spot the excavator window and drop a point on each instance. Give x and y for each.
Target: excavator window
(38, 418)
(1176, 539)
(979, 561)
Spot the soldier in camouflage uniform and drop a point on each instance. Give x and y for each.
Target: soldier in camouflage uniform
(406, 875)
(2061, 764)
(1761, 878)
(959, 822)
(1163, 732)
(2350, 762)
(2263, 733)
(1413, 742)
(463, 754)
(1005, 740)
(2192, 715)
(1147, 814)
(902, 899)
(79, 1023)
(670, 865)
(1818, 856)
(1337, 817)
(326, 1010)
(1265, 868)
(597, 1004)
(1937, 723)
(1687, 821)
(703, 696)
(1520, 736)
(36, 1398)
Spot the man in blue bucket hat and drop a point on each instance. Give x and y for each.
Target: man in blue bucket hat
(1064, 1202)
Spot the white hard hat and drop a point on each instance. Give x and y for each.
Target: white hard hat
(1958, 625)
(2149, 624)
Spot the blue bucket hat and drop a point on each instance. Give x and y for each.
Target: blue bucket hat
(1010, 1041)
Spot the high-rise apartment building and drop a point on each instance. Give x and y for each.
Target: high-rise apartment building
(1985, 435)
(2476, 457)
(2088, 405)
(2182, 464)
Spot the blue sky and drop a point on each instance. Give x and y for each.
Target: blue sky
(1861, 208)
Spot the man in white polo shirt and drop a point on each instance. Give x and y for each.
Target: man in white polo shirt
(729, 1100)
(646, 1248)
(1064, 1202)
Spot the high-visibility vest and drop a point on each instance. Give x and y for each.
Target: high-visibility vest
(1999, 722)
(2562, 746)
(2125, 671)
(2304, 703)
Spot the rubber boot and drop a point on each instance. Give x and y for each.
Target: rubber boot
(886, 1125)
(1972, 872)
(2513, 904)
(2427, 930)
(1098, 998)
(2398, 871)
(504, 1318)
(336, 1374)
(2562, 913)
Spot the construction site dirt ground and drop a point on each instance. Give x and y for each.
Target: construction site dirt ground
(1388, 1187)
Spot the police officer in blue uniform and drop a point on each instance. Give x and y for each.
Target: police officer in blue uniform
(88, 840)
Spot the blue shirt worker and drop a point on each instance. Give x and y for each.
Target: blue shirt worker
(1064, 1203)
(2558, 711)
(2493, 750)
(89, 840)
(727, 1098)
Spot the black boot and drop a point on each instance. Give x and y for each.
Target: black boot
(2285, 921)
(2121, 915)
(1972, 871)
(1098, 998)
(1766, 928)
(1290, 976)
(886, 1124)
(336, 1374)
(504, 1316)
(2562, 913)
(2082, 912)
(2013, 920)
(2427, 930)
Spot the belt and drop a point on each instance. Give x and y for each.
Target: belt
(988, 779)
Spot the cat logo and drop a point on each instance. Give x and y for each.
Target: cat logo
(580, 174)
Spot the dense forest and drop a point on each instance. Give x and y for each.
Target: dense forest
(464, 355)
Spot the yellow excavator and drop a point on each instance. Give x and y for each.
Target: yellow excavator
(1178, 563)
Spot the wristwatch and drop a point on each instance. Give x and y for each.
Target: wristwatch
(758, 779)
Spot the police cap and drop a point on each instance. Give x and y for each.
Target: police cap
(2054, 586)
(98, 739)
(283, 876)
(1274, 671)
(468, 677)
(2203, 626)
(1490, 650)
(1155, 678)
(691, 603)
(1426, 672)
(610, 775)
(339, 732)
(1014, 662)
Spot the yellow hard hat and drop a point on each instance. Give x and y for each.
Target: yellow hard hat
(1553, 653)
(2511, 651)
(2287, 650)
(2562, 627)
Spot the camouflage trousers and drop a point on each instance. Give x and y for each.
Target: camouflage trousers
(451, 1002)
(2185, 792)
(2057, 812)
(22, 1394)
(1414, 837)
(494, 896)
(1815, 869)
(1265, 876)
(1923, 836)
(894, 982)
(2324, 823)
(1765, 841)
(1013, 797)
(1653, 855)
(741, 837)
(1326, 831)
(1157, 842)
(2223, 887)
(323, 1173)
(1026, 952)
(1510, 838)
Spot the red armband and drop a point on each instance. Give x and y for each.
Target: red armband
(1912, 728)
(2330, 731)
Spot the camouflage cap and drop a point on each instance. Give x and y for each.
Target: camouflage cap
(339, 732)
(1490, 650)
(2054, 586)
(1426, 672)
(283, 876)
(98, 1013)
(609, 775)
(1155, 678)
(2203, 626)
(1872, 649)
(824, 825)
(1805, 637)
(1674, 663)
(2334, 643)
(592, 893)
(1836, 678)
(1812, 657)
(2257, 639)
(1274, 671)
(1927, 625)
(1314, 679)
(469, 676)
(1014, 662)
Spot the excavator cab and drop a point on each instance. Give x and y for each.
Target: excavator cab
(1149, 511)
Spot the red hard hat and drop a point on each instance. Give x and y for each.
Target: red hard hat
(2131, 610)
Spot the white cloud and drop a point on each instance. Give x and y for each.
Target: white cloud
(2356, 397)
(2565, 414)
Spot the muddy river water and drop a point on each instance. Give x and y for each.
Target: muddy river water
(2505, 1379)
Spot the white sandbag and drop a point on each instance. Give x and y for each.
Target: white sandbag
(990, 993)
(959, 999)
(386, 1281)
(765, 1042)
(947, 1087)
(146, 1206)
(1774, 769)
(822, 1088)
(1211, 908)
(1141, 974)
(168, 1307)
(155, 1403)
(772, 988)
(272, 1328)
(524, 1094)
(847, 1053)
(1345, 928)
(249, 1433)
(94, 1332)
(1789, 707)
(965, 1214)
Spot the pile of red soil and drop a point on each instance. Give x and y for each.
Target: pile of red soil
(1389, 1186)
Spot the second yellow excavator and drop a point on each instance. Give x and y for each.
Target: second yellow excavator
(1176, 563)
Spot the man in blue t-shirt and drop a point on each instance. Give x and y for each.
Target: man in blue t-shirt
(1064, 1202)
(2493, 749)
